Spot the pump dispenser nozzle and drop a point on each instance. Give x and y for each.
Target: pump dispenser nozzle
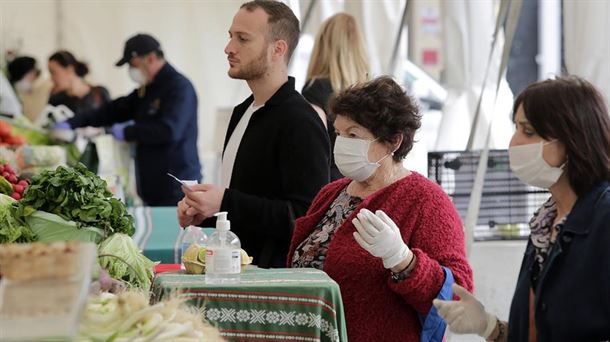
(221, 222)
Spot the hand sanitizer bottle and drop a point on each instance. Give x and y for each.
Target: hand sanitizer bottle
(192, 234)
(223, 256)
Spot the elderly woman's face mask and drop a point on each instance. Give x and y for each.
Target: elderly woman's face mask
(352, 158)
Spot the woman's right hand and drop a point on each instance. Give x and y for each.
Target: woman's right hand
(187, 215)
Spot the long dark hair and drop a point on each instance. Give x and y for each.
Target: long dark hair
(573, 111)
(65, 59)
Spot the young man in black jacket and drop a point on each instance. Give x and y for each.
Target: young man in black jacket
(276, 152)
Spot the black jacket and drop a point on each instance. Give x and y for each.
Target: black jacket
(572, 300)
(164, 132)
(96, 97)
(281, 164)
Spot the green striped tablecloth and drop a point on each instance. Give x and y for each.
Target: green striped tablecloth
(267, 305)
(158, 233)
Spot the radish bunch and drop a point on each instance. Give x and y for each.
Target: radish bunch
(18, 185)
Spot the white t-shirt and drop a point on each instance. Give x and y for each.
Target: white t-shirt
(228, 158)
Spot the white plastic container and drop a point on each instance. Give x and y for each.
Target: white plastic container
(223, 256)
(192, 234)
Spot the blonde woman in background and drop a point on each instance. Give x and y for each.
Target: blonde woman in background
(338, 60)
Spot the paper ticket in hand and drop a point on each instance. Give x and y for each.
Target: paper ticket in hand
(185, 183)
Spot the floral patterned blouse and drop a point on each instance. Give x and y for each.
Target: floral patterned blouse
(540, 226)
(312, 251)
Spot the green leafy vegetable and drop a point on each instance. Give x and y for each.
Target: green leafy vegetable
(5, 186)
(50, 227)
(76, 194)
(120, 256)
(11, 230)
(32, 136)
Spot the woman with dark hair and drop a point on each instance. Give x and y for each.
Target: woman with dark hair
(33, 89)
(561, 143)
(389, 237)
(70, 88)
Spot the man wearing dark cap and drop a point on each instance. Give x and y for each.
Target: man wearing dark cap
(160, 118)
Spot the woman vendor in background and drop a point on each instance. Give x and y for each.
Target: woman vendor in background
(69, 85)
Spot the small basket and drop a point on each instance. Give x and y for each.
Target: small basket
(194, 267)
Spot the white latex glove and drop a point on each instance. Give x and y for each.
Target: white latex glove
(467, 315)
(380, 236)
(52, 114)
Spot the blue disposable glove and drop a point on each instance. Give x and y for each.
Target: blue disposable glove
(118, 130)
(62, 125)
(62, 131)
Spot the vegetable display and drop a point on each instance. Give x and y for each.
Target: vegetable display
(76, 194)
(120, 256)
(10, 184)
(12, 230)
(129, 317)
(7, 137)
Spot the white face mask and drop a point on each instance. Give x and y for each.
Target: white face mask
(529, 166)
(137, 76)
(352, 158)
(23, 85)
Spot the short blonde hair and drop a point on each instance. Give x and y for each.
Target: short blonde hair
(338, 53)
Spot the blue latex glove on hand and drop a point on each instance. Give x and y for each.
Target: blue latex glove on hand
(118, 130)
(62, 125)
(62, 131)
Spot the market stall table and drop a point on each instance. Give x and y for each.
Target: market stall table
(266, 305)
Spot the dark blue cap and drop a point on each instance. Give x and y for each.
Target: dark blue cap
(138, 45)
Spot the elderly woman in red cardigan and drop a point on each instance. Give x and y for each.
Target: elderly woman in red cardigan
(389, 237)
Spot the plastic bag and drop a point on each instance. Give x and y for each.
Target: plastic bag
(40, 156)
(89, 157)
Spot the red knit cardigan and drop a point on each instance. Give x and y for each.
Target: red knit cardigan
(376, 308)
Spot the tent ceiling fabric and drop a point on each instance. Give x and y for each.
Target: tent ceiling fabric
(586, 41)
(467, 43)
(194, 33)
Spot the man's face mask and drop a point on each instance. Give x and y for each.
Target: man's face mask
(529, 166)
(137, 75)
(351, 157)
